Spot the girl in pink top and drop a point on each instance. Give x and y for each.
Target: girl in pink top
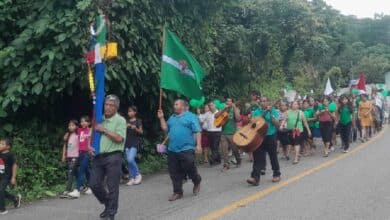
(84, 133)
(70, 154)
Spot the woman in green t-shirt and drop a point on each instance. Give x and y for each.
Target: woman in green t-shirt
(345, 116)
(295, 122)
(309, 113)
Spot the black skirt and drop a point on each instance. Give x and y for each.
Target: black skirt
(326, 131)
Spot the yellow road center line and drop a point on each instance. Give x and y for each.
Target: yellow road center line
(261, 194)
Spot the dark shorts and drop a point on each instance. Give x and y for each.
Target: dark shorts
(283, 137)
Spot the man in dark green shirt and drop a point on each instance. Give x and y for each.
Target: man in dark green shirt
(228, 129)
(107, 164)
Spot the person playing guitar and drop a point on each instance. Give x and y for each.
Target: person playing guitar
(228, 129)
(269, 145)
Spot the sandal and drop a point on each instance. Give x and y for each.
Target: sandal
(276, 179)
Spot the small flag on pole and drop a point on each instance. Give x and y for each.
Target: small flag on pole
(328, 89)
(362, 82)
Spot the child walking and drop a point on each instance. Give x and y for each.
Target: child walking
(8, 169)
(84, 133)
(133, 145)
(70, 155)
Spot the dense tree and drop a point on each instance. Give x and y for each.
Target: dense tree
(242, 45)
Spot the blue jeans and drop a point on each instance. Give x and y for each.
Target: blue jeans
(131, 153)
(83, 170)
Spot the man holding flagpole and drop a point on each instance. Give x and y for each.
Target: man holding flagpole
(181, 127)
(181, 73)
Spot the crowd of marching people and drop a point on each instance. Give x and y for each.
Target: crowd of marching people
(292, 130)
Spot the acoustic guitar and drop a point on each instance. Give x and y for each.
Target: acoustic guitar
(222, 118)
(252, 135)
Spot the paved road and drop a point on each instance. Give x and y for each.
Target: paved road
(354, 187)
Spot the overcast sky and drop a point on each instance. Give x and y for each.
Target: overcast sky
(361, 8)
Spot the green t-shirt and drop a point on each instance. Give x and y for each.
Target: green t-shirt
(292, 117)
(252, 107)
(271, 127)
(116, 124)
(310, 113)
(229, 128)
(345, 115)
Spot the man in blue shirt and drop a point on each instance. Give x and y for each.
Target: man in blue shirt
(181, 127)
(269, 145)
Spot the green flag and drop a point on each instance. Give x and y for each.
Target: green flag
(180, 72)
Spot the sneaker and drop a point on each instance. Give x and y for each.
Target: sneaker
(83, 189)
(88, 191)
(126, 177)
(65, 194)
(332, 149)
(252, 181)
(130, 183)
(345, 151)
(138, 179)
(74, 194)
(225, 168)
(3, 212)
(17, 201)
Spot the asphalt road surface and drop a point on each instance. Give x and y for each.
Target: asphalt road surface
(354, 186)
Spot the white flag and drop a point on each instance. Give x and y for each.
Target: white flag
(328, 88)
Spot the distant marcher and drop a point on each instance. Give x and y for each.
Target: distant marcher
(70, 155)
(84, 134)
(8, 170)
(133, 145)
(365, 116)
(346, 122)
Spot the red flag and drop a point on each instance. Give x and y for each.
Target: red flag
(362, 82)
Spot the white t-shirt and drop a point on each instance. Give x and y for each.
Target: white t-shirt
(207, 121)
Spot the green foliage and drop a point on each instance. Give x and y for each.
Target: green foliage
(40, 172)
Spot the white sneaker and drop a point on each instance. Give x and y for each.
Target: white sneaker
(138, 179)
(130, 183)
(17, 201)
(74, 194)
(65, 194)
(88, 191)
(3, 212)
(332, 149)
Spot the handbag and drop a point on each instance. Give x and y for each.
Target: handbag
(296, 132)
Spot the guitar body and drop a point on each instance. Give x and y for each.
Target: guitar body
(221, 119)
(251, 136)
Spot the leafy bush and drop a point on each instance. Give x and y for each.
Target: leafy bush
(40, 172)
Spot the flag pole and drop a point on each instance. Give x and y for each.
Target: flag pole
(162, 53)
